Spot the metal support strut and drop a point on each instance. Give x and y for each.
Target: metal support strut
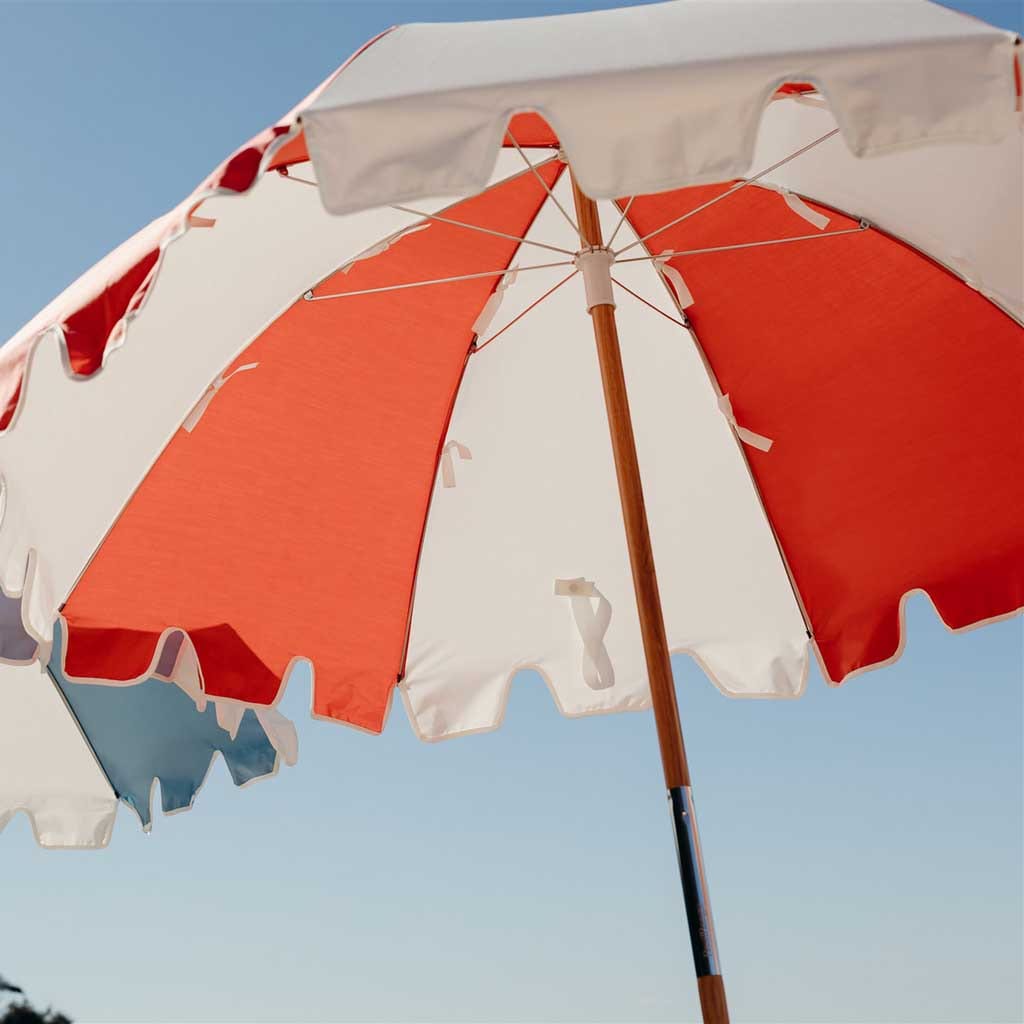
(595, 262)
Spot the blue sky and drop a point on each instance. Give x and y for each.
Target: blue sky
(864, 845)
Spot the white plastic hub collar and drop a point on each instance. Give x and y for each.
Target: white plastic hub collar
(596, 267)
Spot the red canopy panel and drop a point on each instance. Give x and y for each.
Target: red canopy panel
(530, 130)
(288, 523)
(893, 394)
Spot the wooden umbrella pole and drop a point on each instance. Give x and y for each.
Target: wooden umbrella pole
(596, 266)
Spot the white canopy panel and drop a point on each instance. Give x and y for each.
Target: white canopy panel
(526, 508)
(46, 767)
(962, 206)
(650, 97)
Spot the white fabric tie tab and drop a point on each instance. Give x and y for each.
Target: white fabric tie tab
(755, 440)
(490, 310)
(596, 267)
(447, 463)
(229, 716)
(598, 672)
(684, 298)
(203, 404)
(376, 250)
(801, 209)
(281, 732)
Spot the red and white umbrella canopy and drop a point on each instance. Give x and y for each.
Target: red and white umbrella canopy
(361, 424)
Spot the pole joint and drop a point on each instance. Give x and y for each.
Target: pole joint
(595, 264)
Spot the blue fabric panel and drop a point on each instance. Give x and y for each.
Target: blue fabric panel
(153, 730)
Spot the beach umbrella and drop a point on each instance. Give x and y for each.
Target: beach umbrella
(342, 404)
(70, 752)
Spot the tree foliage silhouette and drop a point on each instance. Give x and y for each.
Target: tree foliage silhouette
(23, 1012)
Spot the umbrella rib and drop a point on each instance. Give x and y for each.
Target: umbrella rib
(647, 302)
(622, 220)
(547, 188)
(482, 230)
(310, 297)
(536, 302)
(288, 176)
(732, 191)
(284, 173)
(863, 226)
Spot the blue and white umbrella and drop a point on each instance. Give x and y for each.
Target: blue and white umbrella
(69, 752)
